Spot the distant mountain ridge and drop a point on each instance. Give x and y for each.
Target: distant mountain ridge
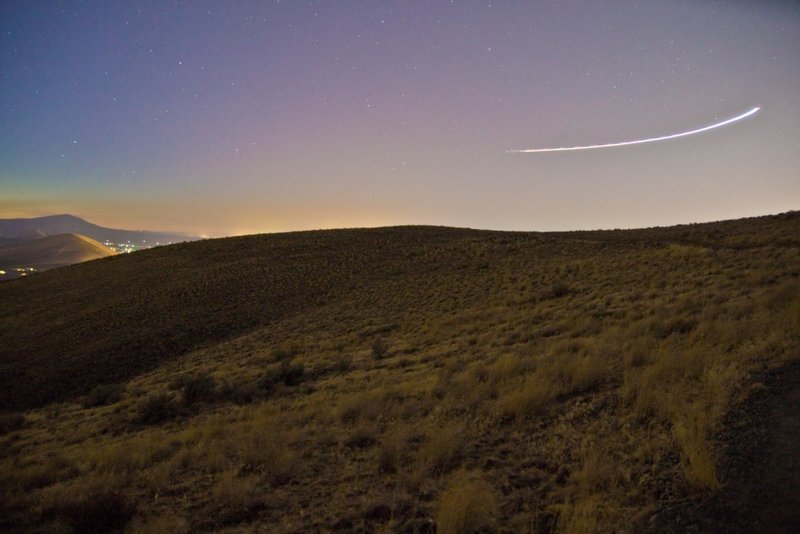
(39, 227)
(53, 251)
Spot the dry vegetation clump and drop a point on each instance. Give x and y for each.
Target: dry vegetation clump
(467, 505)
(99, 504)
(286, 373)
(396, 444)
(361, 437)
(270, 456)
(400, 379)
(697, 454)
(235, 498)
(442, 451)
(524, 401)
(103, 395)
(379, 349)
(10, 422)
(365, 406)
(195, 389)
(156, 409)
(166, 522)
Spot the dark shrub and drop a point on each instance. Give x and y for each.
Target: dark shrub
(361, 438)
(343, 364)
(102, 395)
(98, 512)
(379, 350)
(198, 388)
(676, 325)
(290, 374)
(10, 422)
(268, 381)
(156, 409)
(239, 393)
(282, 354)
(559, 290)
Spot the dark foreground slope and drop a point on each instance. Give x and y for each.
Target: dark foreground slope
(410, 379)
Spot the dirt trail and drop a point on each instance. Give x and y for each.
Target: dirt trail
(759, 466)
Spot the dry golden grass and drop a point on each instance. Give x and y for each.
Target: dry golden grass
(524, 381)
(234, 497)
(442, 450)
(525, 400)
(467, 505)
(691, 431)
(160, 524)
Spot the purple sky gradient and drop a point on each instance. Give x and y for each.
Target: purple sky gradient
(239, 117)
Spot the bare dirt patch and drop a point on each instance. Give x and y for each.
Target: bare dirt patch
(759, 466)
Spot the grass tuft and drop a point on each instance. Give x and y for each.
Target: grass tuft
(157, 409)
(10, 422)
(103, 395)
(467, 505)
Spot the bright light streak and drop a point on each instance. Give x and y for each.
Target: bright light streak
(640, 141)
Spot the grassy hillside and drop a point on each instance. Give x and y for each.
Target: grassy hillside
(129, 313)
(395, 379)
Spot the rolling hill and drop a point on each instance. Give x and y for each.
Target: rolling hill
(411, 379)
(38, 227)
(53, 251)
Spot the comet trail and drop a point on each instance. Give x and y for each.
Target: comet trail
(640, 141)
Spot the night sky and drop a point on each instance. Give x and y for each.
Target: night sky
(224, 118)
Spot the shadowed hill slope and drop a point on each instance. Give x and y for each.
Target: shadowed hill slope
(53, 251)
(74, 328)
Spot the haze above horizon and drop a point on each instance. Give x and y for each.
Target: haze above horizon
(224, 119)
